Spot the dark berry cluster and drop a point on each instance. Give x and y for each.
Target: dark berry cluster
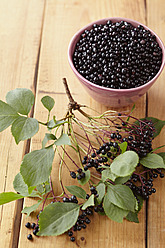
(117, 55)
(143, 185)
(72, 199)
(80, 174)
(35, 228)
(82, 222)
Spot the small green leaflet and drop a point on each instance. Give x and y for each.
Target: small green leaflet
(43, 188)
(107, 174)
(101, 192)
(122, 197)
(21, 187)
(52, 124)
(8, 197)
(113, 212)
(123, 146)
(48, 102)
(133, 217)
(58, 218)
(125, 164)
(63, 140)
(24, 128)
(7, 115)
(84, 180)
(48, 136)
(36, 166)
(152, 161)
(162, 154)
(29, 210)
(77, 191)
(121, 180)
(21, 100)
(89, 202)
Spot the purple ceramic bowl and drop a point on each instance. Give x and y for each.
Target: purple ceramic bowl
(107, 96)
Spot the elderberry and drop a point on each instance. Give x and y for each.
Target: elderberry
(117, 55)
(29, 237)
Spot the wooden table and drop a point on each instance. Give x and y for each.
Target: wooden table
(34, 36)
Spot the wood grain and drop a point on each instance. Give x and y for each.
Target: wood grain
(62, 19)
(156, 108)
(20, 30)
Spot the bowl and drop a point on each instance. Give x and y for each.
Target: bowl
(108, 96)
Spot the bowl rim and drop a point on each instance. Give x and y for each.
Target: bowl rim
(80, 31)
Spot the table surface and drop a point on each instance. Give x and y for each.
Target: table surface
(34, 36)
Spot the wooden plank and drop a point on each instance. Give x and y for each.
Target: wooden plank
(20, 30)
(156, 106)
(62, 19)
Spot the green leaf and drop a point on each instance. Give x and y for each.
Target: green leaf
(7, 115)
(107, 174)
(140, 205)
(52, 124)
(8, 197)
(112, 211)
(29, 210)
(44, 188)
(77, 191)
(89, 202)
(58, 218)
(36, 166)
(63, 140)
(48, 102)
(123, 146)
(121, 180)
(21, 100)
(21, 187)
(162, 154)
(48, 136)
(152, 161)
(24, 128)
(133, 217)
(122, 196)
(84, 180)
(125, 164)
(101, 192)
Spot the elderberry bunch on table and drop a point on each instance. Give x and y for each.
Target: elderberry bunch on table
(117, 55)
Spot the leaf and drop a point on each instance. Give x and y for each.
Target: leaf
(21, 100)
(6, 197)
(37, 165)
(48, 102)
(101, 192)
(48, 136)
(29, 210)
(107, 174)
(121, 180)
(77, 191)
(52, 124)
(58, 218)
(133, 217)
(152, 161)
(113, 212)
(43, 188)
(122, 196)
(21, 187)
(7, 115)
(162, 154)
(24, 128)
(123, 146)
(84, 180)
(125, 164)
(63, 140)
(89, 202)
(140, 205)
